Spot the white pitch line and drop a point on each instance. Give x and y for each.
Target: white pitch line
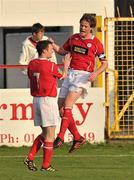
(76, 156)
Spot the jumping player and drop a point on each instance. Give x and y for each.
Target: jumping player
(83, 47)
(43, 85)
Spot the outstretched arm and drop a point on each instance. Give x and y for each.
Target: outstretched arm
(58, 49)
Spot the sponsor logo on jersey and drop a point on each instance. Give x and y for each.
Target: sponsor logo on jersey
(79, 49)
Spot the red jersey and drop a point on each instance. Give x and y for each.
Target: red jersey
(83, 52)
(42, 74)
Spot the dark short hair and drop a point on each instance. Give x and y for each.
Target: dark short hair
(37, 27)
(41, 45)
(90, 18)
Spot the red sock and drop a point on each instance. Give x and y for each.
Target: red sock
(73, 129)
(47, 154)
(67, 116)
(35, 147)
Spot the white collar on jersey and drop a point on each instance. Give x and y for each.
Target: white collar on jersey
(44, 59)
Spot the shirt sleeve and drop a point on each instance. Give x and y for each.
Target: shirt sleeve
(66, 45)
(100, 51)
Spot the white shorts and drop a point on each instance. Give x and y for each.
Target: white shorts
(46, 112)
(76, 81)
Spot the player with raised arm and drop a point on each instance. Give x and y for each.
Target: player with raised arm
(42, 74)
(83, 47)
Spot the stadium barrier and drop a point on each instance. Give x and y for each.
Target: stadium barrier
(16, 115)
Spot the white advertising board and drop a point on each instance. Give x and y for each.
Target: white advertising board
(16, 117)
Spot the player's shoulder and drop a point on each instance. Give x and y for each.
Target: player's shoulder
(27, 43)
(27, 40)
(33, 61)
(38, 63)
(96, 40)
(76, 35)
(52, 63)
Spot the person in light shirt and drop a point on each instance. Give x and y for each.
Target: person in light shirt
(29, 50)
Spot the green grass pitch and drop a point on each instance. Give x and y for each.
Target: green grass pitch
(91, 162)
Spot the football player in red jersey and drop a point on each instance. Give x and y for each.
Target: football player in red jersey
(42, 74)
(83, 47)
